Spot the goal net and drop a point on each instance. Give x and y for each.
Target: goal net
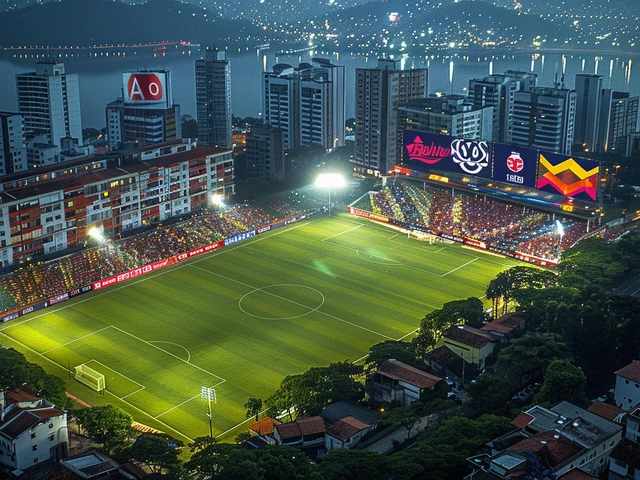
(90, 377)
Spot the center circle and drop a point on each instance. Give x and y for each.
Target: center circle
(284, 301)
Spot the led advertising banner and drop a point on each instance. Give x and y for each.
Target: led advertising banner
(515, 164)
(145, 89)
(569, 176)
(428, 151)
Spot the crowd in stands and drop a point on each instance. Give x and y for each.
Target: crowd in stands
(513, 228)
(40, 282)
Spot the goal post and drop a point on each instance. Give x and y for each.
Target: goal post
(90, 377)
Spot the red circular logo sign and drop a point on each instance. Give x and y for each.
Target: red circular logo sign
(515, 162)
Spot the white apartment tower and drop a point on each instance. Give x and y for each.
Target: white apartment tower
(213, 99)
(497, 91)
(49, 101)
(13, 152)
(544, 118)
(379, 93)
(307, 103)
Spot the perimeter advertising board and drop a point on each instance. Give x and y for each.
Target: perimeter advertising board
(514, 164)
(429, 151)
(146, 89)
(569, 176)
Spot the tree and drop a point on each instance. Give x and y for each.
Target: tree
(503, 286)
(242, 437)
(220, 460)
(346, 464)
(159, 453)
(108, 425)
(253, 406)
(456, 312)
(14, 368)
(563, 381)
(527, 357)
(381, 352)
(402, 416)
(490, 395)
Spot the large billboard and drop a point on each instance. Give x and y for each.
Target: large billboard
(146, 89)
(569, 176)
(428, 151)
(515, 164)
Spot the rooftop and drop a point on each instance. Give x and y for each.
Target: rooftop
(631, 371)
(401, 371)
(576, 474)
(522, 420)
(452, 362)
(346, 428)
(506, 323)
(471, 336)
(264, 426)
(550, 448)
(339, 410)
(605, 410)
(627, 452)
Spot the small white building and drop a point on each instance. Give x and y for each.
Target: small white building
(345, 433)
(32, 430)
(398, 382)
(625, 458)
(627, 391)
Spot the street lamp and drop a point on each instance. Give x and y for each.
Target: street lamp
(560, 230)
(330, 180)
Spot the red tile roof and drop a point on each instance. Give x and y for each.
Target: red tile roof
(506, 323)
(627, 452)
(288, 430)
(264, 426)
(20, 394)
(19, 424)
(522, 420)
(47, 412)
(312, 425)
(550, 450)
(631, 371)
(604, 410)
(401, 371)
(473, 337)
(576, 474)
(346, 428)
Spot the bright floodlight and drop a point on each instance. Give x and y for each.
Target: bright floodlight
(560, 228)
(217, 199)
(330, 180)
(96, 234)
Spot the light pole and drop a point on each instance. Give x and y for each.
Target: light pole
(560, 230)
(208, 393)
(330, 180)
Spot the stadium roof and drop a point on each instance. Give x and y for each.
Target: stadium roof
(401, 371)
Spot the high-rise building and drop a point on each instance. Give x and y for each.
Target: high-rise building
(453, 115)
(307, 103)
(146, 114)
(544, 118)
(213, 99)
(49, 101)
(265, 152)
(379, 92)
(497, 91)
(13, 151)
(623, 122)
(588, 96)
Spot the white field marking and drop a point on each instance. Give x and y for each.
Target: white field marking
(440, 249)
(186, 401)
(241, 423)
(150, 276)
(142, 387)
(169, 353)
(295, 303)
(124, 401)
(393, 236)
(149, 415)
(410, 333)
(177, 345)
(310, 309)
(361, 358)
(458, 268)
(363, 255)
(341, 233)
(79, 338)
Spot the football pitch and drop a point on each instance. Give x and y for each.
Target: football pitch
(242, 318)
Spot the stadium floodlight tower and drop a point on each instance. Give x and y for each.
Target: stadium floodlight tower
(208, 394)
(560, 230)
(330, 180)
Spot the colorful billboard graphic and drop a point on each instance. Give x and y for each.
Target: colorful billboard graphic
(515, 164)
(144, 88)
(428, 151)
(568, 176)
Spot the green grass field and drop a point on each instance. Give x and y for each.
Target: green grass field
(243, 318)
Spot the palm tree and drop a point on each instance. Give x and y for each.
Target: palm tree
(253, 407)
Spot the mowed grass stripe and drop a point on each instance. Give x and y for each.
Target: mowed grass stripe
(165, 332)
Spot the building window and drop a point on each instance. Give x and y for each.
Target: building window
(33, 435)
(51, 425)
(52, 437)
(34, 447)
